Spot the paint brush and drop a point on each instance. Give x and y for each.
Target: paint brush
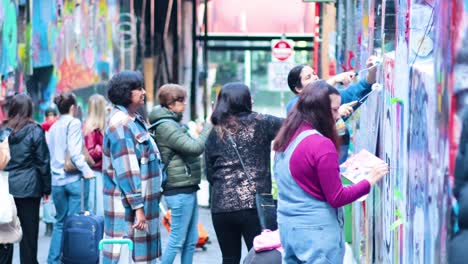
(377, 63)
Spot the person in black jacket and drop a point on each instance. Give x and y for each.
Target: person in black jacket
(29, 171)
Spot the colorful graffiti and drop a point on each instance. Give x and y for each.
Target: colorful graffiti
(404, 220)
(452, 62)
(9, 41)
(83, 41)
(74, 45)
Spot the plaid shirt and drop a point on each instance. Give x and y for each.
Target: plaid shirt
(131, 171)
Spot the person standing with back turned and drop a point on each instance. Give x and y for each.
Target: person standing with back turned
(29, 171)
(237, 154)
(66, 135)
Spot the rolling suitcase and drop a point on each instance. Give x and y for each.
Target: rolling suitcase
(82, 233)
(202, 234)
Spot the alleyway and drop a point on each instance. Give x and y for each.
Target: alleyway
(409, 56)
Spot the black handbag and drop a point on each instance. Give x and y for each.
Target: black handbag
(266, 205)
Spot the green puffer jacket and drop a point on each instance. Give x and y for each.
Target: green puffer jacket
(183, 169)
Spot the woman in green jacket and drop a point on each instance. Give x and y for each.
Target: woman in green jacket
(181, 156)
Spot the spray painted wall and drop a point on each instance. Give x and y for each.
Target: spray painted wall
(405, 219)
(78, 44)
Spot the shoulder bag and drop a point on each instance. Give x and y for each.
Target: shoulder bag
(68, 165)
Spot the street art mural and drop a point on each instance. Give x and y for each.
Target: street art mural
(10, 77)
(73, 35)
(452, 63)
(84, 42)
(404, 220)
(9, 37)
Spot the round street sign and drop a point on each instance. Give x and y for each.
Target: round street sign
(282, 50)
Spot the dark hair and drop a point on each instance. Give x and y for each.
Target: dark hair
(20, 112)
(64, 102)
(313, 107)
(233, 100)
(171, 93)
(294, 78)
(50, 111)
(121, 85)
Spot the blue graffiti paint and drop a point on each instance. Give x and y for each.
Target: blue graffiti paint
(9, 38)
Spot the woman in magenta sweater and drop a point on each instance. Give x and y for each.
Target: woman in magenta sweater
(310, 192)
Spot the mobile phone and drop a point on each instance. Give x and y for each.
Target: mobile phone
(4, 133)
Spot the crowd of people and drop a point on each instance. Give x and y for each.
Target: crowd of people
(120, 164)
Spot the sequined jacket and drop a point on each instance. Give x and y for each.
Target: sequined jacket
(232, 188)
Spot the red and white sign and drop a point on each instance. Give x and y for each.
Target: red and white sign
(282, 49)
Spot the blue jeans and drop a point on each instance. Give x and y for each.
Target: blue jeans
(67, 200)
(184, 227)
(310, 244)
(96, 200)
(48, 210)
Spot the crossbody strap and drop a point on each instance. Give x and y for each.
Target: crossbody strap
(234, 145)
(66, 135)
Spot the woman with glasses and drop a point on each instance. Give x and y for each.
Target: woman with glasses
(131, 173)
(181, 156)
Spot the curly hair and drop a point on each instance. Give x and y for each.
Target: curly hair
(122, 84)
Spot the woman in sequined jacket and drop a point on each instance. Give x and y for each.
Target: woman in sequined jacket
(235, 180)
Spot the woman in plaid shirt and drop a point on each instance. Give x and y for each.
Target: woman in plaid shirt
(132, 173)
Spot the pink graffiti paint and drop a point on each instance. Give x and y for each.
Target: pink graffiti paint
(389, 66)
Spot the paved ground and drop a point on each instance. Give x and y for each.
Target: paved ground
(212, 254)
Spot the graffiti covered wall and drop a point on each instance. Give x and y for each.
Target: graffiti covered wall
(405, 220)
(76, 44)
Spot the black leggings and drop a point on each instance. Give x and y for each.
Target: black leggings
(28, 214)
(230, 227)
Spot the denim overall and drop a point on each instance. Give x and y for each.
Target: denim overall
(311, 230)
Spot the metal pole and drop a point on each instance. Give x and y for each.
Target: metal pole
(175, 43)
(193, 83)
(206, 100)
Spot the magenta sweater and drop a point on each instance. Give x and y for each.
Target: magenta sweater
(314, 166)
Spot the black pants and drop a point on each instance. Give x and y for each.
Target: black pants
(28, 214)
(231, 227)
(6, 253)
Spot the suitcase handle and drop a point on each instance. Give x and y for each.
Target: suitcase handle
(116, 241)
